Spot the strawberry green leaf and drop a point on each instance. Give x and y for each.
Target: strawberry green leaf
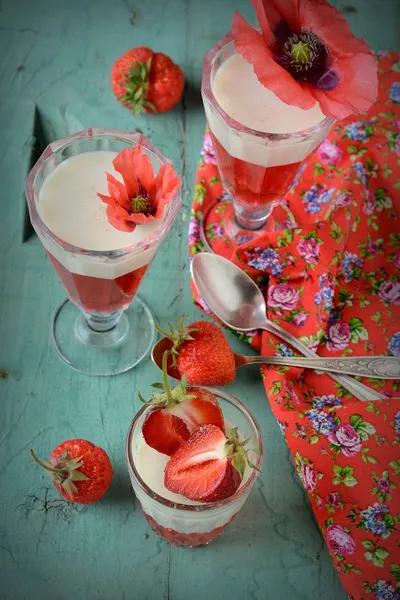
(239, 463)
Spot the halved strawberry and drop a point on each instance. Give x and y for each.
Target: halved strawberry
(208, 466)
(200, 408)
(177, 413)
(163, 431)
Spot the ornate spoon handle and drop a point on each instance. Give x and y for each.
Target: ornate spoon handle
(380, 367)
(359, 390)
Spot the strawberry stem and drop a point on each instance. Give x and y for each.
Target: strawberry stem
(165, 375)
(48, 467)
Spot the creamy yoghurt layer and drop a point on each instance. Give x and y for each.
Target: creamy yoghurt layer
(69, 206)
(240, 94)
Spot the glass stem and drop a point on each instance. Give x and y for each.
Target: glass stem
(101, 323)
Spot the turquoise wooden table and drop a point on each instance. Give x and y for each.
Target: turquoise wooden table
(54, 80)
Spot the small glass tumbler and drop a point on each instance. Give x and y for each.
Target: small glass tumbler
(103, 328)
(187, 524)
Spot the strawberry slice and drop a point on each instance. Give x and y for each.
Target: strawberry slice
(163, 431)
(208, 466)
(201, 408)
(178, 412)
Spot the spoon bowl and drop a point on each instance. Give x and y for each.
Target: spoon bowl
(229, 292)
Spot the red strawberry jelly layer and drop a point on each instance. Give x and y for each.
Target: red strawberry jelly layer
(189, 540)
(99, 295)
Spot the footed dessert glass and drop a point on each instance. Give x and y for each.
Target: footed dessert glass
(103, 328)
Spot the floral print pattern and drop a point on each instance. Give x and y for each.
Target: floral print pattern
(329, 269)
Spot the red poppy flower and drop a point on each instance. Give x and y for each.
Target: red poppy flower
(143, 195)
(306, 52)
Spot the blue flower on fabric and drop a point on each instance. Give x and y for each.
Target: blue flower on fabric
(385, 591)
(321, 422)
(350, 263)
(394, 344)
(361, 172)
(316, 196)
(266, 259)
(397, 422)
(283, 350)
(394, 93)
(322, 401)
(373, 519)
(356, 131)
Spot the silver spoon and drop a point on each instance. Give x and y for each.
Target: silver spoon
(237, 301)
(383, 367)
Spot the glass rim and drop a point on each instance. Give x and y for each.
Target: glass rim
(206, 505)
(131, 138)
(207, 92)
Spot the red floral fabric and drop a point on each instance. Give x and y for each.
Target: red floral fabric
(330, 274)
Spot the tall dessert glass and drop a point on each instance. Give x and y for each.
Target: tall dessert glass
(103, 328)
(256, 167)
(180, 521)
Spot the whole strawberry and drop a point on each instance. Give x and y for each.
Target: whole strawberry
(201, 353)
(146, 81)
(80, 471)
(176, 413)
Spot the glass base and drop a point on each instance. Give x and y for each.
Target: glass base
(102, 345)
(222, 230)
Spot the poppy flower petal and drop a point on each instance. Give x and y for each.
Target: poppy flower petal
(259, 7)
(119, 218)
(286, 10)
(330, 26)
(118, 191)
(106, 199)
(166, 183)
(250, 44)
(133, 164)
(357, 89)
(141, 219)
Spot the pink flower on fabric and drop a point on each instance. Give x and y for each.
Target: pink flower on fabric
(370, 203)
(194, 231)
(292, 394)
(390, 292)
(343, 199)
(329, 153)
(207, 150)
(309, 250)
(300, 319)
(372, 248)
(309, 477)
(283, 296)
(334, 498)
(339, 541)
(338, 336)
(383, 485)
(347, 438)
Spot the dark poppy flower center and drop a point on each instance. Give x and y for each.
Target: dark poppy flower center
(305, 56)
(141, 203)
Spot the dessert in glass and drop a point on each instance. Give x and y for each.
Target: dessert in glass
(177, 518)
(259, 141)
(103, 328)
